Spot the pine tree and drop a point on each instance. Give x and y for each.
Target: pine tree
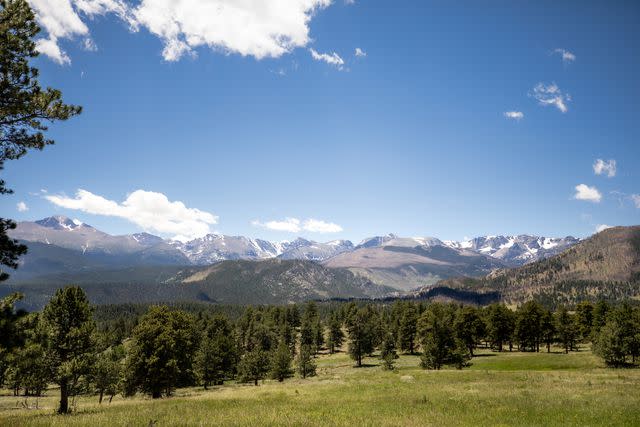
(469, 327)
(336, 336)
(388, 351)
(548, 329)
(500, 325)
(215, 359)
(407, 328)
(304, 362)
(24, 106)
(565, 328)
(67, 321)
(105, 373)
(360, 331)
(281, 362)
(253, 366)
(527, 326)
(437, 338)
(162, 352)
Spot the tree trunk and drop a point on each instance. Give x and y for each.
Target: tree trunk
(101, 396)
(156, 394)
(64, 397)
(255, 381)
(548, 347)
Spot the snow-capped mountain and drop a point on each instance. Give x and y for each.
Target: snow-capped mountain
(74, 235)
(217, 247)
(315, 251)
(516, 250)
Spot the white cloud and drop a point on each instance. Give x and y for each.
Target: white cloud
(635, 198)
(50, 48)
(360, 53)
(330, 58)
(64, 19)
(589, 194)
(22, 207)
(602, 227)
(318, 226)
(566, 55)
(515, 115)
(550, 94)
(150, 210)
(601, 167)
(294, 225)
(255, 28)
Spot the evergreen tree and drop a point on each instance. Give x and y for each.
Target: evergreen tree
(566, 329)
(584, 320)
(215, 359)
(105, 373)
(388, 351)
(336, 336)
(67, 322)
(304, 362)
(500, 325)
(600, 313)
(437, 338)
(162, 352)
(407, 328)
(24, 106)
(469, 327)
(528, 326)
(253, 366)
(281, 362)
(548, 329)
(610, 344)
(360, 331)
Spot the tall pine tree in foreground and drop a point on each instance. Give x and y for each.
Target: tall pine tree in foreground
(68, 325)
(25, 108)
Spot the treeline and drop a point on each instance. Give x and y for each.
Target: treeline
(165, 348)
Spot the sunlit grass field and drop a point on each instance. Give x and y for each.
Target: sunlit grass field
(497, 389)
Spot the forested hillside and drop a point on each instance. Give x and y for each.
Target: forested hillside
(607, 265)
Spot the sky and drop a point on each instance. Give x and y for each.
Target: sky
(338, 119)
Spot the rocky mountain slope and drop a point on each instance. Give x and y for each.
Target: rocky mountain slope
(408, 263)
(606, 265)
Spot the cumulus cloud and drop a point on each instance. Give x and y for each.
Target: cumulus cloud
(589, 194)
(602, 227)
(318, 226)
(294, 225)
(330, 58)
(635, 198)
(152, 211)
(65, 19)
(608, 167)
(567, 56)
(255, 28)
(360, 53)
(550, 94)
(22, 207)
(515, 115)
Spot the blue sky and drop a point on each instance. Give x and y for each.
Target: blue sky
(411, 138)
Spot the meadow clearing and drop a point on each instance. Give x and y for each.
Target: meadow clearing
(497, 389)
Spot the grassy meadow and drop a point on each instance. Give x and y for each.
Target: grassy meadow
(497, 389)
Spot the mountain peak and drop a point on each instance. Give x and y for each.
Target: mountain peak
(59, 222)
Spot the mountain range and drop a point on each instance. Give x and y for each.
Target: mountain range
(234, 269)
(71, 234)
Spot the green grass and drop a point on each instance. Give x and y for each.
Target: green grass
(498, 389)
